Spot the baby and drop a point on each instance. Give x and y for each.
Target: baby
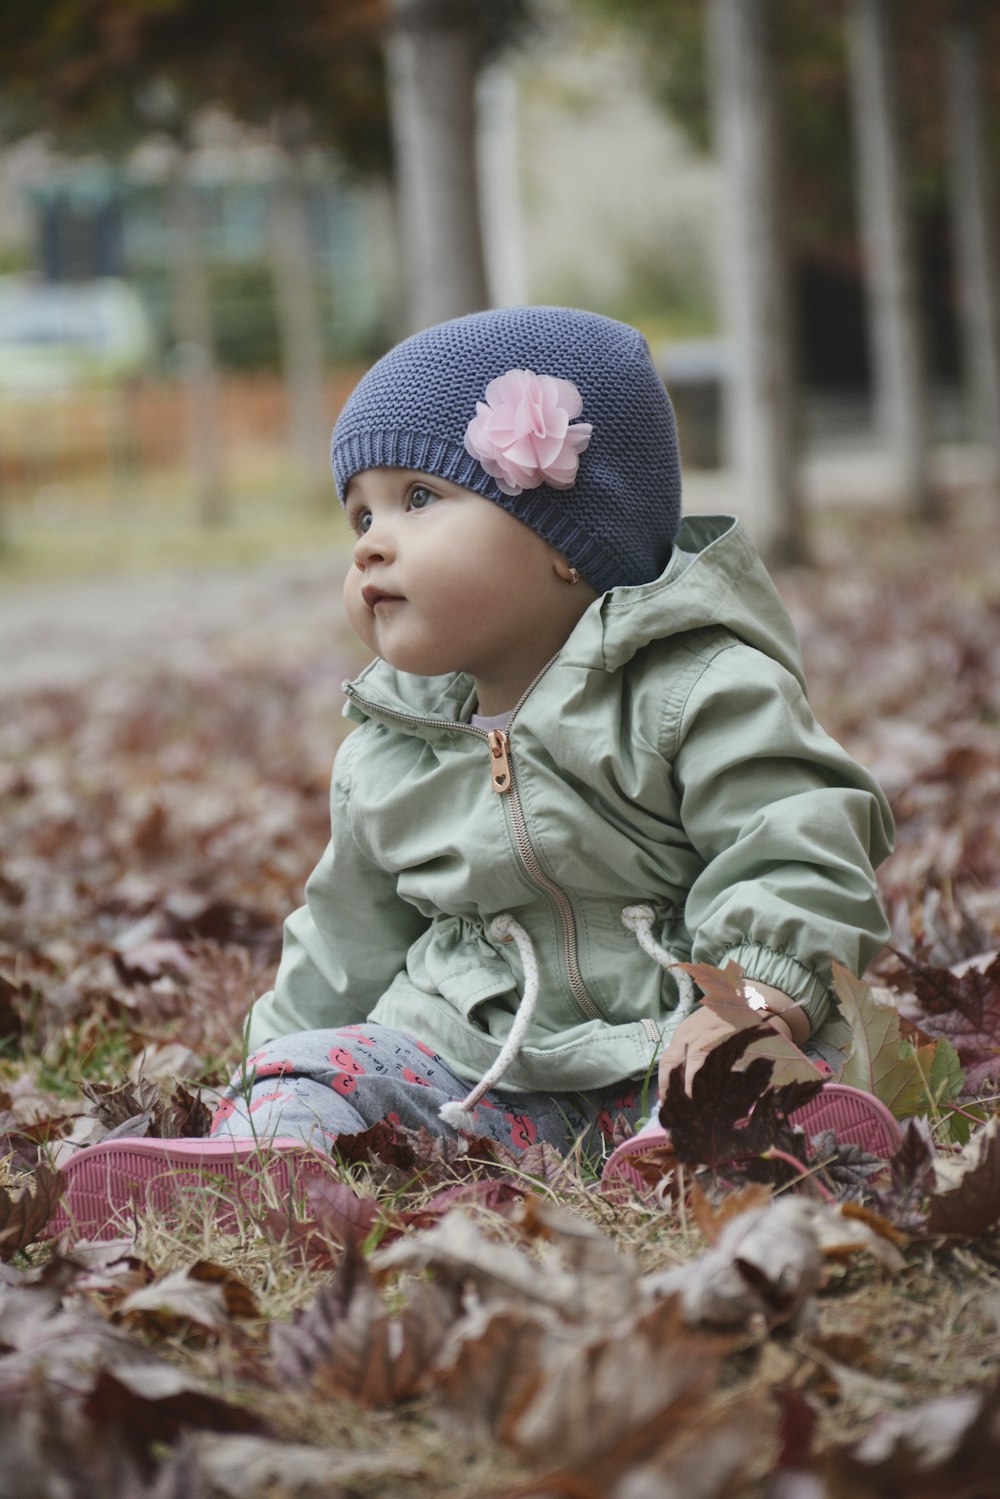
(583, 755)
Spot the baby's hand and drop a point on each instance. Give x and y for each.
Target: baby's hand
(696, 1036)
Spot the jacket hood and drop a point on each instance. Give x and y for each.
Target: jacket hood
(714, 580)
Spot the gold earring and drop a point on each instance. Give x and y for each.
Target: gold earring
(574, 576)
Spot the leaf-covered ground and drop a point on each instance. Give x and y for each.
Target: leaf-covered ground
(449, 1321)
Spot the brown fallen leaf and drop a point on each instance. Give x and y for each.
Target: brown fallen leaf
(243, 1466)
(461, 1254)
(203, 1296)
(732, 1120)
(686, 1451)
(961, 1004)
(966, 1198)
(331, 1216)
(145, 1406)
(23, 1218)
(946, 1448)
(490, 1369)
(47, 1448)
(712, 1218)
(349, 1344)
(767, 1265)
(523, 1376)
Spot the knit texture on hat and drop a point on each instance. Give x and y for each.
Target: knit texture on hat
(618, 521)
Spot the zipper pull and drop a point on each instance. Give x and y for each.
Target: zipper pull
(500, 772)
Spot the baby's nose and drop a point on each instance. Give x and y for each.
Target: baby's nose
(373, 545)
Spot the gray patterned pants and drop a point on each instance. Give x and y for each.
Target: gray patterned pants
(316, 1085)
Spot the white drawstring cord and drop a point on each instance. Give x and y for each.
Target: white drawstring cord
(639, 919)
(459, 1114)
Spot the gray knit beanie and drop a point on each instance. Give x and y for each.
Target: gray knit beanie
(577, 440)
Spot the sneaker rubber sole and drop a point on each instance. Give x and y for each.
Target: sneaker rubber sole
(108, 1184)
(855, 1117)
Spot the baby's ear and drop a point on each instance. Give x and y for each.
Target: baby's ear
(564, 569)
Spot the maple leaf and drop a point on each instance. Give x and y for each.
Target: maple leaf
(256, 1466)
(23, 1218)
(881, 1061)
(966, 1198)
(964, 1007)
(461, 1254)
(521, 1375)
(731, 1117)
(766, 1263)
(939, 1449)
(331, 1217)
(911, 1178)
(348, 1344)
(722, 993)
(492, 1193)
(688, 1449)
(203, 1297)
(146, 1405)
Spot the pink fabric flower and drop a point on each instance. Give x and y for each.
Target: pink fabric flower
(521, 434)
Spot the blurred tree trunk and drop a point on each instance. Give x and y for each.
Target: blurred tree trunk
(193, 329)
(973, 211)
(300, 322)
(431, 51)
(761, 394)
(899, 365)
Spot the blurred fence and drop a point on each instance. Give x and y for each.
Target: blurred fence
(118, 437)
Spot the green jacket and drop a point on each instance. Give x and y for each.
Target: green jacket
(666, 756)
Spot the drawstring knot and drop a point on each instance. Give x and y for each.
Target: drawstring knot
(639, 919)
(459, 1114)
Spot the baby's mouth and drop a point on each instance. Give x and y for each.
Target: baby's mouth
(372, 596)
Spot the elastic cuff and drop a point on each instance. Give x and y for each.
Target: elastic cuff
(764, 965)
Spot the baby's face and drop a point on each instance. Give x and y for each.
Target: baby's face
(444, 580)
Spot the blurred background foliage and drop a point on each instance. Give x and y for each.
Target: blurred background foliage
(238, 162)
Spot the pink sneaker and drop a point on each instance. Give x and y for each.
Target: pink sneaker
(855, 1117)
(108, 1183)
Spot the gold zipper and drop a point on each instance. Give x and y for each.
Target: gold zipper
(500, 750)
(500, 778)
(502, 781)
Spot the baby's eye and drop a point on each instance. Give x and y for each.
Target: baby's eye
(361, 521)
(421, 497)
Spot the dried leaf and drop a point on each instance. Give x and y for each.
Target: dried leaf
(494, 1194)
(525, 1377)
(590, 1397)
(490, 1369)
(348, 1344)
(731, 1118)
(722, 993)
(964, 1007)
(332, 1216)
(204, 1295)
(687, 1451)
(461, 1253)
(946, 1448)
(766, 1265)
(23, 1219)
(903, 1200)
(147, 1405)
(967, 1200)
(712, 1218)
(243, 1466)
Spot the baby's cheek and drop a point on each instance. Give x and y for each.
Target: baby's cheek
(359, 616)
